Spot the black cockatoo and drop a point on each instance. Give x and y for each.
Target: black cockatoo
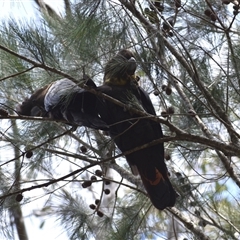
(64, 100)
(129, 130)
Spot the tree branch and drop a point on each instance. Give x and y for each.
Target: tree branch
(188, 224)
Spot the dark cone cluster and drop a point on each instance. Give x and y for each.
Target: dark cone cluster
(19, 197)
(106, 191)
(169, 111)
(97, 201)
(3, 112)
(29, 154)
(92, 206)
(95, 207)
(83, 149)
(107, 182)
(99, 173)
(178, 3)
(156, 92)
(100, 214)
(167, 156)
(86, 183)
(158, 5)
(210, 14)
(93, 178)
(168, 90)
(236, 9)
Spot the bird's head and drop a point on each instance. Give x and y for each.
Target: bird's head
(121, 68)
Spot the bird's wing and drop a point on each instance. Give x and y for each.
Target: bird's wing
(146, 101)
(77, 105)
(58, 92)
(65, 100)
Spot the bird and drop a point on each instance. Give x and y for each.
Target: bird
(129, 130)
(64, 100)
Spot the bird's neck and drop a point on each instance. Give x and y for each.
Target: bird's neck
(121, 81)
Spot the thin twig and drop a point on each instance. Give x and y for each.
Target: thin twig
(17, 74)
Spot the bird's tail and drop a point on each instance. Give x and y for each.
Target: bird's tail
(159, 188)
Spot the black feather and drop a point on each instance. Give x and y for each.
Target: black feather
(64, 100)
(130, 130)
